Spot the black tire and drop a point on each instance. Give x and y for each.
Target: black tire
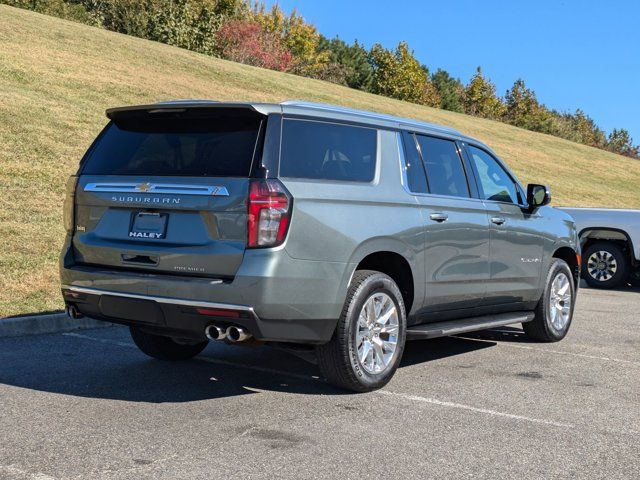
(338, 360)
(541, 327)
(165, 348)
(622, 265)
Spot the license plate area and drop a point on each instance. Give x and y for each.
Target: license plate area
(148, 225)
(138, 310)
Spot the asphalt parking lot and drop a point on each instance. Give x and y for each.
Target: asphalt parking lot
(490, 405)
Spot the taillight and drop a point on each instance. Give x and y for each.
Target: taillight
(68, 206)
(269, 213)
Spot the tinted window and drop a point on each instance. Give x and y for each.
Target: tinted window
(417, 182)
(327, 151)
(495, 183)
(195, 147)
(444, 167)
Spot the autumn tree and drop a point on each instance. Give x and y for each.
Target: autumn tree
(248, 42)
(398, 74)
(300, 38)
(587, 130)
(480, 98)
(523, 110)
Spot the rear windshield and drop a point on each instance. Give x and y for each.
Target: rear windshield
(216, 147)
(328, 151)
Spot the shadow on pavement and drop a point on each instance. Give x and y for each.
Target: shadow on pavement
(501, 334)
(633, 286)
(422, 351)
(108, 366)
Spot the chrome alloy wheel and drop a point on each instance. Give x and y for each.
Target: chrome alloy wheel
(560, 301)
(376, 336)
(602, 265)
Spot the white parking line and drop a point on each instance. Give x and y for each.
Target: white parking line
(404, 396)
(485, 411)
(100, 340)
(546, 350)
(19, 473)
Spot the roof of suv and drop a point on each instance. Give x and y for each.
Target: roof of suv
(300, 107)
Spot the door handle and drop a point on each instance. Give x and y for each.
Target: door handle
(439, 217)
(498, 220)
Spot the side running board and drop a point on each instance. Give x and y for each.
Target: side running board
(464, 325)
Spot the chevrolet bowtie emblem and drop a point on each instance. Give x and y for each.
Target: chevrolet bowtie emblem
(143, 187)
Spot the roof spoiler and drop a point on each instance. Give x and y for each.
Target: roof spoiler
(199, 108)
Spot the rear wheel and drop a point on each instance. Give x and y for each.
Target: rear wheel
(366, 347)
(555, 308)
(605, 265)
(165, 348)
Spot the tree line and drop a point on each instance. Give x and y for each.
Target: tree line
(245, 31)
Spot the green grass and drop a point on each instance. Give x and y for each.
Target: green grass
(58, 77)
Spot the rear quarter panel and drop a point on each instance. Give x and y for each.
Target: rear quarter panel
(346, 221)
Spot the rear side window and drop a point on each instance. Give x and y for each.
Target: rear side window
(217, 147)
(328, 151)
(445, 172)
(414, 170)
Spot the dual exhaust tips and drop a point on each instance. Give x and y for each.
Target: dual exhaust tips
(232, 333)
(73, 312)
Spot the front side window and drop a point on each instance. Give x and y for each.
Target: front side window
(328, 151)
(445, 172)
(495, 182)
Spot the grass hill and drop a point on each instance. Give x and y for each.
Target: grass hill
(58, 77)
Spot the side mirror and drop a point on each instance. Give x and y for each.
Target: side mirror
(537, 195)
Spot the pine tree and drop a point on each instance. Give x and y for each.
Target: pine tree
(352, 60)
(620, 141)
(450, 90)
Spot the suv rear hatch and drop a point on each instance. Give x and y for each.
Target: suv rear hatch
(165, 190)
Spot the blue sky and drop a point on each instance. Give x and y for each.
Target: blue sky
(574, 54)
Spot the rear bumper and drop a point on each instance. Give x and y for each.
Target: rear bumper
(275, 297)
(181, 317)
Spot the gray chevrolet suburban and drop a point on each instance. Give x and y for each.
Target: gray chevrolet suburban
(311, 227)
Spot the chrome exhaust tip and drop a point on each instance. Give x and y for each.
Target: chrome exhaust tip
(214, 332)
(237, 334)
(73, 312)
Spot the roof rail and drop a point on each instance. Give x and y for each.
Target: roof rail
(364, 113)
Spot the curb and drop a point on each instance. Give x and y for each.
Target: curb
(49, 323)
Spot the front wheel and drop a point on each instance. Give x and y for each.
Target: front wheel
(165, 348)
(366, 347)
(554, 312)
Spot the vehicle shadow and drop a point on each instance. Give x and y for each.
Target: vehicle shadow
(632, 286)
(110, 367)
(424, 351)
(501, 334)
